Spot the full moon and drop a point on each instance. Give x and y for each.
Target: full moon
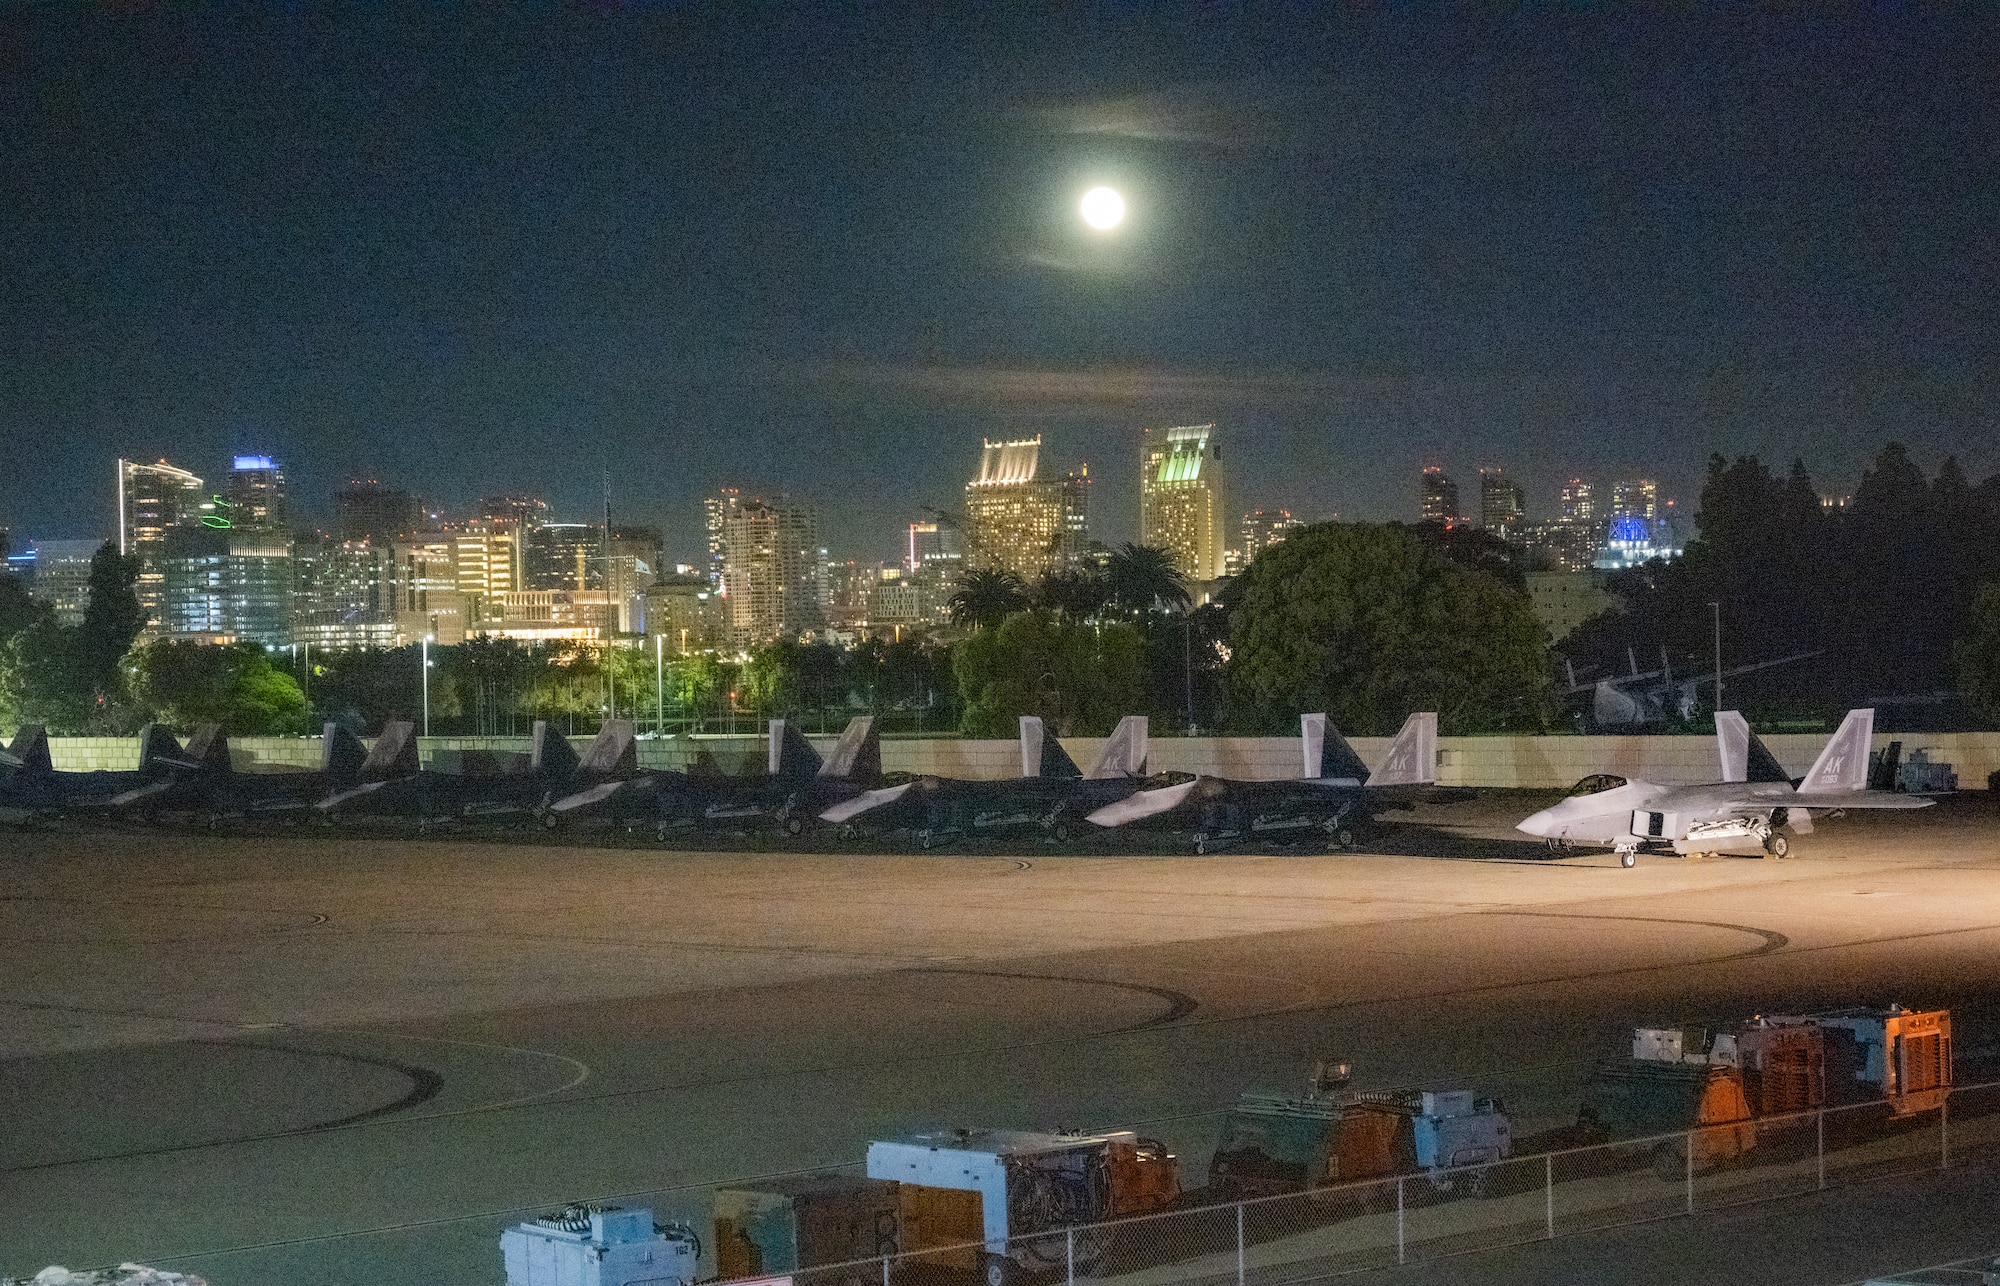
(1103, 208)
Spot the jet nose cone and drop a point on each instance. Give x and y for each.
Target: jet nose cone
(1541, 824)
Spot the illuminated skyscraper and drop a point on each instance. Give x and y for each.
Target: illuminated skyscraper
(255, 495)
(1503, 506)
(1020, 522)
(773, 570)
(153, 499)
(227, 584)
(1636, 498)
(1437, 498)
(1180, 498)
(1578, 504)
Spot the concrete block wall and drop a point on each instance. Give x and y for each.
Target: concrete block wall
(1544, 763)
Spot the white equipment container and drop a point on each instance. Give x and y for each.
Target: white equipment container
(599, 1246)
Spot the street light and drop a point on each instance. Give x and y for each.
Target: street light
(660, 684)
(425, 652)
(1717, 607)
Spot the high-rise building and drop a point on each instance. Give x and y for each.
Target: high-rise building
(58, 573)
(424, 589)
(565, 555)
(367, 510)
(227, 584)
(488, 554)
(773, 569)
(1578, 503)
(716, 513)
(1437, 497)
(343, 592)
(154, 499)
(1017, 521)
(1180, 498)
(1261, 529)
(1503, 506)
(686, 612)
(517, 512)
(1636, 498)
(938, 547)
(254, 497)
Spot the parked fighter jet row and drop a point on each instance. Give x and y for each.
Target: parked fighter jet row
(1335, 803)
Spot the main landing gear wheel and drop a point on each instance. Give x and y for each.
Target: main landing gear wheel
(1777, 846)
(1628, 859)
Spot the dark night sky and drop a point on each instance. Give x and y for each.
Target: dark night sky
(506, 253)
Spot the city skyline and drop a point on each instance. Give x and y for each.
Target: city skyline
(1518, 238)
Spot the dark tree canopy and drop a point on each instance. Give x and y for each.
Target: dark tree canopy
(1080, 679)
(1369, 624)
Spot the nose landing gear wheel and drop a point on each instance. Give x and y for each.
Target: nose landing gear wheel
(1777, 846)
(1628, 859)
(793, 825)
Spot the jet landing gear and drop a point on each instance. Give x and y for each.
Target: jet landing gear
(1628, 857)
(1777, 846)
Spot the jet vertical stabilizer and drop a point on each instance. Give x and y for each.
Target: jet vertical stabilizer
(858, 753)
(394, 753)
(1843, 765)
(549, 752)
(1326, 754)
(790, 755)
(1744, 757)
(1042, 755)
(341, 755)
(31, 748)
(1124, 753)
(156, 745)
(1412, 757)
(207, 748)
(615, 752)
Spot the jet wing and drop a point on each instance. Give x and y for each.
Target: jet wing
(1857, 799)
(1142, 804)
(866, 801)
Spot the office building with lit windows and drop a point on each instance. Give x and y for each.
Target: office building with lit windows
(1437, 498)
(1503, 506)
(153, 500)
(1019, 521)
(1180, 498)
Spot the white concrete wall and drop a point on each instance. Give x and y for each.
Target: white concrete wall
(1531, 762)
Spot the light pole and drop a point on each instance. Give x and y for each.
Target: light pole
(1717, 608)
(425, 649)
(660, 684)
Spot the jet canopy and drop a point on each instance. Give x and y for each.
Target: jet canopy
(1595, 784)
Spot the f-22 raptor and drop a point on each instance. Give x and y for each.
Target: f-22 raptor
(31, 787)
(1750, 809)
(1336, 797)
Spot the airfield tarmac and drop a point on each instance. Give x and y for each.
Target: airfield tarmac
(300, 1058)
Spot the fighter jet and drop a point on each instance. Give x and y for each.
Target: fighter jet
(799, 785)
(1051, 795)
(1335, 796)
(1749, 810)
(554, 770)
(206, 785)
(31, 787)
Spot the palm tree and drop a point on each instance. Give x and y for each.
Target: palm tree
(986, 598)
(1143, 579)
